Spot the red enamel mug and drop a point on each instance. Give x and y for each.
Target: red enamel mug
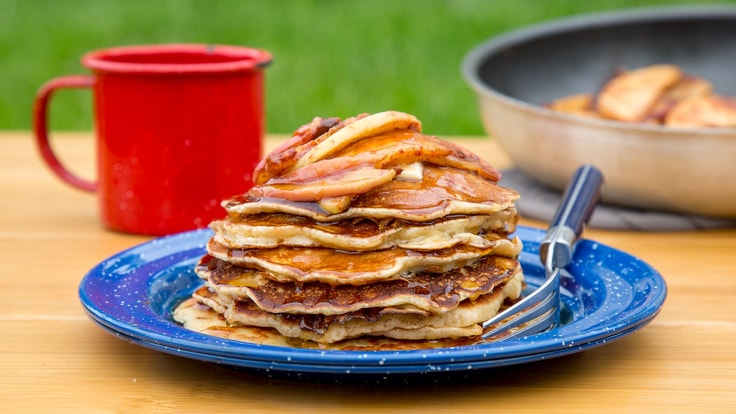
(179, 128)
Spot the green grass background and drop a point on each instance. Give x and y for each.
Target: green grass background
(331, 58)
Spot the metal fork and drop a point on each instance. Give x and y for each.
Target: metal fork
(540, 310)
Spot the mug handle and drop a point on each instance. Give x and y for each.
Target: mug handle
(40, 127)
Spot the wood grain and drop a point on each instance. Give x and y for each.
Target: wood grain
(55, 359)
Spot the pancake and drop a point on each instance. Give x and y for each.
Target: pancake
(442, 192)
(462, 321)
(423, 292)
(359, 234)
(202, 318)
(319, 264)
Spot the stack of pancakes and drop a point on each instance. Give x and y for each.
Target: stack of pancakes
(357, 230)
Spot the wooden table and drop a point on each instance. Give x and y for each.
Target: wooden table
(54, 359)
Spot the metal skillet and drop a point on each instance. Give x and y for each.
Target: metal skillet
(647, 167)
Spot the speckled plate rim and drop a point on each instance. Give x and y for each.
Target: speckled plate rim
(609, 294)
(342, 370)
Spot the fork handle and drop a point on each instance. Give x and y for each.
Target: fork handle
(578, 202)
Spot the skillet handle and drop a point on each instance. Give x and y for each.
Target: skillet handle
(578, 202)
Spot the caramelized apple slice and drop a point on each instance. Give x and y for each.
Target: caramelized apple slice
(375, 124)
(688, 86)
(631, 96)
(331, 184)
(580, 104)
(703, 111)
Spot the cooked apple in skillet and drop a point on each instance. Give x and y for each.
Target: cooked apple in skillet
(658, 94)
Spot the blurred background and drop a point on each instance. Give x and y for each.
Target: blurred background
(331, 58)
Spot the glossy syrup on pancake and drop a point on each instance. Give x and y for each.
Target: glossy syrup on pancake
(311, 264)
(442, 192)
(461, 321)
(421, 292)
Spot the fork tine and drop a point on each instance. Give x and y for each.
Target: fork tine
(540, 310)
(538, 319)
(534, 313)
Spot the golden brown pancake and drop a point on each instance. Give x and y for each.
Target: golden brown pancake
(462, 321)
(424, 292)
(358, 234)
(202, 318)
(442, 192)
(319, 264)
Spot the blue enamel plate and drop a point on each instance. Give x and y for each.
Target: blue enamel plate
(607, 295)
